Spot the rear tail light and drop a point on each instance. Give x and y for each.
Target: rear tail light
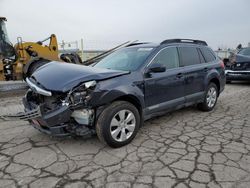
(222, 64)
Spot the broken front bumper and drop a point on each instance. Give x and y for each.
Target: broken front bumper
(53, 123)
(58, 122)
(54, 117)
(237, 75)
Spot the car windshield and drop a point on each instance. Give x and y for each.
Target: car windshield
(244, 51)
(126, 59)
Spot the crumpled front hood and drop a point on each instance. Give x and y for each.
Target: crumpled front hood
(61, 77)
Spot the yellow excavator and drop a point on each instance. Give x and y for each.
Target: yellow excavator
(22, 59)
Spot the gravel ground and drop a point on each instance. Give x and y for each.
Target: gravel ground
(186, 148)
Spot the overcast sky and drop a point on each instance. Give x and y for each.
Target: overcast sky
(222, 23)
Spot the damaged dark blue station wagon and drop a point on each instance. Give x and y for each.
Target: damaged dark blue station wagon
(114, 96)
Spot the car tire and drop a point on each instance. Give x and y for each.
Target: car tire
(210, 98)
(228, 82)
(35, 65)
(118, 124)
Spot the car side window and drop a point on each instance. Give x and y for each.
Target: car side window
(168, 57)
(202, 59)
(207, 54)
(189, 56)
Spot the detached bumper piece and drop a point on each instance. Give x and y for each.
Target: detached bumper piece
(61, 130)
(58, 131)
(237, 75)
(32, 114)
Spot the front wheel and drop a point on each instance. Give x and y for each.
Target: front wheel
(210, 98)
(118, 124)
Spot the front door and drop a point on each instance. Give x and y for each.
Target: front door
(164, 90)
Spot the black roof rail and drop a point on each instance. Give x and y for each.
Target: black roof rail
(169, 41)
(136, 43)
(3, 18)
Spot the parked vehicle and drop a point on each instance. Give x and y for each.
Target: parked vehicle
(238, 65)
(114, 96)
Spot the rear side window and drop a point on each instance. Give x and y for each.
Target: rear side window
(202, 59)
(207, 54)
(168, 57)
(189, 56)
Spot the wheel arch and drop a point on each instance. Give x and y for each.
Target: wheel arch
(128, 98)
(213, 77)
(131, 99)
(216, 81)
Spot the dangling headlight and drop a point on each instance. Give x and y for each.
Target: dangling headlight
(82, 92)
(90, 84)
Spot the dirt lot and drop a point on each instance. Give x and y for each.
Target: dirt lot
(186, 148)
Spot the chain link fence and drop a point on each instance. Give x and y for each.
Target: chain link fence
(87, 49)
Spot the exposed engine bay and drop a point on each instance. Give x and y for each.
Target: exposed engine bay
(61, 114)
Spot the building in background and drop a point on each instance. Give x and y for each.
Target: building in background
(73, 47)
(86, 51)
(85, 55)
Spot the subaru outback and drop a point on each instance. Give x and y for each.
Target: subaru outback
(113, 97)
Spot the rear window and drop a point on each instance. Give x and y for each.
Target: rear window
(189, 56)
(207, 54)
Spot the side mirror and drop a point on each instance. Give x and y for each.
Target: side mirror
(156, 67)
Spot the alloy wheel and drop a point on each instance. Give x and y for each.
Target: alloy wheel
(211, 97)
(122, 125)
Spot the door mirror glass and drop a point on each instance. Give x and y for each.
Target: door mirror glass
(157, 67)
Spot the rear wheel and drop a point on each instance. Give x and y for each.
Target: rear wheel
(118, 124)
(71, 58)
(210, 98)
(35, 65)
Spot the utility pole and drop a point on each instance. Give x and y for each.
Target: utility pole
(63, 43)
(82, 48)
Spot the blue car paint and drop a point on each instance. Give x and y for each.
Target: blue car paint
(154, 92)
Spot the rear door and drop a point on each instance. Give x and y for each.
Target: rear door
(195, 71)
(165, 90)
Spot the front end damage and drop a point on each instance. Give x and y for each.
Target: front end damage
(60, 114)
(65, 99)
(238, 68)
